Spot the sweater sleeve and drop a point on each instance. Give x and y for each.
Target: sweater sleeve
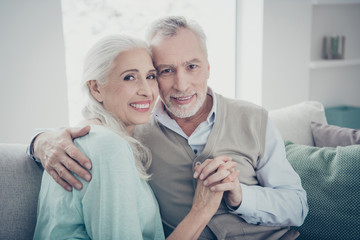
(109, 203)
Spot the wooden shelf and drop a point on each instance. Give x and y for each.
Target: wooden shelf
(328, 2)
(334, 63)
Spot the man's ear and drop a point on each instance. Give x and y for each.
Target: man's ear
(95, 90)
(208, 70)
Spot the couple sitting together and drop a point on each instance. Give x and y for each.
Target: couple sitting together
(197, 166)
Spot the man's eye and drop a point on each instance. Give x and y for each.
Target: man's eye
(151, 76)
(129, 77)
(192, 66)
(167, 70)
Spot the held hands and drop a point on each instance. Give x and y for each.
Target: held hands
(59, 155)
(219, 175)
(206, 201)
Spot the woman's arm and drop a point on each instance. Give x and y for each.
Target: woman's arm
(204, 206)
(206, 201)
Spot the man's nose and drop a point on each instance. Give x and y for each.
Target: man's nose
(181, 82)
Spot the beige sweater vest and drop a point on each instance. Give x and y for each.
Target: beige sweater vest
(239, 132)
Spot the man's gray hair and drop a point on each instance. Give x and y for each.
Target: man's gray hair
(169, 26)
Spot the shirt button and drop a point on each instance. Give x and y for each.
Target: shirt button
(195, 151)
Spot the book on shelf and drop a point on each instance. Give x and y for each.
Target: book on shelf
(333, 47)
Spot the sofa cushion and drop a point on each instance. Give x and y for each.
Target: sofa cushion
(294, 121)
(20, 180)
(331, 178)
(333, 136)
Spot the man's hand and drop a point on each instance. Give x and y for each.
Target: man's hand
(220, 175)
(58, 156)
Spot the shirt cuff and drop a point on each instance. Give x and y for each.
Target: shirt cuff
(248, 203)
(30, 148)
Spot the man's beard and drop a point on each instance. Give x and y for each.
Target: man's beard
(184, 111)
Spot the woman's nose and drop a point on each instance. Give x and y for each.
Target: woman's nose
(144, 88)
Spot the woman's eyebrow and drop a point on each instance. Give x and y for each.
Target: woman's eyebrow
(129, 70)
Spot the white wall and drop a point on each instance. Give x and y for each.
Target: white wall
(288, 34)
(287, 29)
(32, 68)
(274, 51)
(249, 50)
(340, 85)
(336, 86)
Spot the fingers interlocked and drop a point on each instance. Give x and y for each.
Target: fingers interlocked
(219, 173)
(223, 171)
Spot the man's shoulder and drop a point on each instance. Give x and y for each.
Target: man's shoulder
(238, 104)
(141, 130)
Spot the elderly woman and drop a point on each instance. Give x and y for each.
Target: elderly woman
(120, 82)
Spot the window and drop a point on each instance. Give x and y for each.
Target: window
(85, 21)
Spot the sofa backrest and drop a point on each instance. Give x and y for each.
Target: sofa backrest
(294, 122)
(20, 180)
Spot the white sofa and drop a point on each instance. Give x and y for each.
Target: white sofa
(20, 176)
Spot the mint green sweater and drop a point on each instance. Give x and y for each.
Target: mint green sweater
(115, 204)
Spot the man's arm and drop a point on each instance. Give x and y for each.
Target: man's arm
(58, 156)
(280, 200)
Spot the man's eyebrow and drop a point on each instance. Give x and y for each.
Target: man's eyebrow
(194, 60)
(164, 66)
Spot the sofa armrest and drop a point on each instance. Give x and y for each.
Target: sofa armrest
(20, 180)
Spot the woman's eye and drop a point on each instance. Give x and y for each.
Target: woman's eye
(152, 76)
(129, 77)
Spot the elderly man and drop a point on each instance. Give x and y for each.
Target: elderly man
(193, 125)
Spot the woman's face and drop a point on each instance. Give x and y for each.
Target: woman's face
(132, 89)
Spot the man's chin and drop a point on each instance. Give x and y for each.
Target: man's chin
(181, 113)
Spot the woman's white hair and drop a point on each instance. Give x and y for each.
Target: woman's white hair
(170, 25)
(98, 64)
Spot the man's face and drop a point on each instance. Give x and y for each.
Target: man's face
(183, 71)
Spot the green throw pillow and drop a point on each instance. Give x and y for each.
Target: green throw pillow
(331, 178)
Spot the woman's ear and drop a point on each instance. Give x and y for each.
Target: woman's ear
(95, 90)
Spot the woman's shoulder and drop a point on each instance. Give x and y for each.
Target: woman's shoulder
(101, 139)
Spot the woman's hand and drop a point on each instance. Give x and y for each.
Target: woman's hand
(205, 201)
(221, 176)
(205, 204)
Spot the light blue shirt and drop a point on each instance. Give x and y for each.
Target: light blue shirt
(280, 185)
(115, 204)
